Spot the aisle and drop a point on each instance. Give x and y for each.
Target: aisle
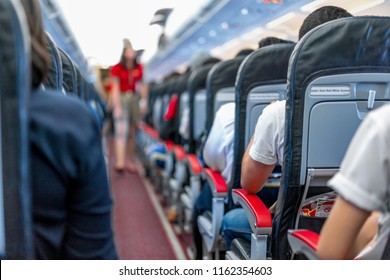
(139, 234)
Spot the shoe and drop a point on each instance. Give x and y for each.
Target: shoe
(119, 169)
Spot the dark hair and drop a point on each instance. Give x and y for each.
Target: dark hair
(123, 60)
(320, 16)
(244, 52)
(40, 57)
(267, 41)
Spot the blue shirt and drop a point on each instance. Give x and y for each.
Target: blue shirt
(70, 190)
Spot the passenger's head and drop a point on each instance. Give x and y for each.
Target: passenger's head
(245, 52)
(320, 16)
(39, 53)
(267, 41)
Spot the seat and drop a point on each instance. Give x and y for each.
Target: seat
(219, 90)
(331, 87)
(16, 232)
(69, 81)
(196, 88)
(177, 153)
(262, 79)
(55, 78)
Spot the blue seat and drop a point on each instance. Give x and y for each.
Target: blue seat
(16, 233)
(54, 79)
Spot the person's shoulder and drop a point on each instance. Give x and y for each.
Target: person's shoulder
(227, 109)
(61, 108)
(275, 108)
(382, 112)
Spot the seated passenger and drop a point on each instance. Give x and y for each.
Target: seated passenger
(71, 201)
(266, 147)
(363, 187)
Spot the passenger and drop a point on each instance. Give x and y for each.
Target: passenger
(363, 187)
(71, 202)
(125, 76)
(265, 149)
(218, 153)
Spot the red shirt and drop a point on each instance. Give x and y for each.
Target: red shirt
(127, 78)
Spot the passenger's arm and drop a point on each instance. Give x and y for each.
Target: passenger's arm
(340, 238)
(253, 173)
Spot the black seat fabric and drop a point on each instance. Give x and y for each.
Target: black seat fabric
(69, 81)
(196, 82)
(221, 76)
(264, 67)
(55, 76)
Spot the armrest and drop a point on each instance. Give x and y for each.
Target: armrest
(194, 165)
(304, 241)
(149, 130)
(258, 214)
(169, 145)
(217, 183)
(178, 152)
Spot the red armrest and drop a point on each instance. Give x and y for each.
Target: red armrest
(303, 241)
(194, 164)
(216, 181)
(258, 214)
(149, 130)
(307, 236)
(169, 145)
(179, 152)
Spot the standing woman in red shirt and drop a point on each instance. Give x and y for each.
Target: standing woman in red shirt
(125, 76)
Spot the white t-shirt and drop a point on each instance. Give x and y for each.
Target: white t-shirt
(268, 142)
(364, 176)
(218, 149)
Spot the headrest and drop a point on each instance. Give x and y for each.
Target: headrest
(267, 65)
(197, 79)
(348, 45)
(222, 75)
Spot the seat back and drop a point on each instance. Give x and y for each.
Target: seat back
(261, 79)
(69, 81)
(54, 79)
(196, 87)
(338, 72)
(16, 234)
(220, 87)
(199, 116)
(179, 88)
(157, 93)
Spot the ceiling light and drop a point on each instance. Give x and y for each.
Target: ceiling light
(280, 20)
(312, 6)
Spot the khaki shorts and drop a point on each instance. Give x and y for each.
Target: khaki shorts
(130, 115)
(130, 107)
